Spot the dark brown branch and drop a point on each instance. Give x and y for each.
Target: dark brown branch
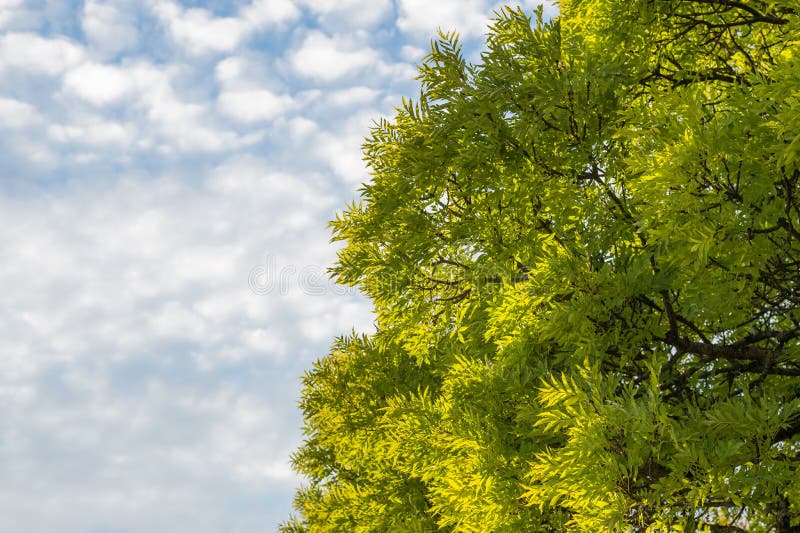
(757, 15)
(730, 352)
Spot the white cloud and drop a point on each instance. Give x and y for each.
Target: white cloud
(109, 25)
(135, 353)
(174, 321)
(15, 114)
(33, 53)
(158, 115)
(263, 13)
(93, 131)
(175, 124)
(97, 83)
(254, 105)
(343, 154)
(250, 71)
(252, 180)
(199, 31)
(244, 96)
(412, 53)
(470, 18)
(353, 96)
(330, 58)
(360, 14)
(8, 10)
(261, 340)
(10, 4)
(341, 149)
(301, 128)
(231, 69)
(422, 18)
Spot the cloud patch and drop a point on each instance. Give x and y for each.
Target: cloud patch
(360, 14)
(34, 54)
(199, 31)
(326, 59)
(109, 26)
(423, 18)
(97, 83)
(15, 114)
(254, 105)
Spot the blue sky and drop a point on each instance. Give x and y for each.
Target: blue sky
(168, 170)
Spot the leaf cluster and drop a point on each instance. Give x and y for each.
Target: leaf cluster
(584, 256)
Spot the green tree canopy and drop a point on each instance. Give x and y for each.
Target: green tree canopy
(584, 257)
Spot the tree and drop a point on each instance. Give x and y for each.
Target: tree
(584, 257)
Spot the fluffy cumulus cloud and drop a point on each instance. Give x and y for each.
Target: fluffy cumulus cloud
(423, 18)
(200, 31)
(358, 14)
(35, 54)
(468, 17)
(15, 114)
(325, 58)
(110, 25)
(248, 94)
(8, 9)
(138, 352)
(254, 105)
(169, 167)
(97, 83)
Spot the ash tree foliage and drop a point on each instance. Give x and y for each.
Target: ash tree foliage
(584, 257)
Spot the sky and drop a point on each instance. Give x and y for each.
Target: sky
(167, 171)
